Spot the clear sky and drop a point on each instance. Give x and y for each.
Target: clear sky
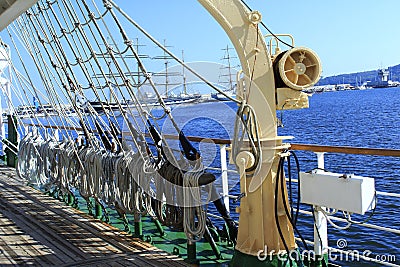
(348, 35)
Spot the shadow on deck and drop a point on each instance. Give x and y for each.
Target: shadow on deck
(36, 229)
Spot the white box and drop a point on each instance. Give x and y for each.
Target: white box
(354, 194)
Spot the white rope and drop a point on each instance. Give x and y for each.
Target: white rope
(123, 182)
(72, 62)
(327, 216)
(65, 158)
(193, 205)
(85, 188)
(142, 177)
(28, 158)
(109, 174)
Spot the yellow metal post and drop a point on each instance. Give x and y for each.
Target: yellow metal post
(257, 227)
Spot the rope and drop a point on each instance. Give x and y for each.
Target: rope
(265, 26)
(75, 52)
(28, 159)
(170, 53)
(193, 205)
(246, 125)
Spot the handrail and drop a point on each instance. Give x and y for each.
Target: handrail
(217, 141)
(368, 225)
(348, 150)
(308, 147)
(319, 149)
(305, 147)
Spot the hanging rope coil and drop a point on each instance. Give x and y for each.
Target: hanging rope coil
(165, 203)
(64, 154)
(29, 159)
(86, 188)
(108, 175)
(193, 205)
(142, 173)
(123, 182)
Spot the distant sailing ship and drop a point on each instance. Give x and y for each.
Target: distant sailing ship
(226, 79)
(148, 98)
(170, 97)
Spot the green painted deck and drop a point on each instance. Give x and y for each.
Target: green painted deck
(38, 230)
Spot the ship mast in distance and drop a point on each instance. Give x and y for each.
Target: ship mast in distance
(166, 73)
(225, 79)
(137, 47)
(227, 70)
(139, 74)
(135, 75)
(184, 76)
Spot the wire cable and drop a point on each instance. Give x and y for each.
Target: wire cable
(265, 26)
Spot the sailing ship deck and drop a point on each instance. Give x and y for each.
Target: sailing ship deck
(38, 230)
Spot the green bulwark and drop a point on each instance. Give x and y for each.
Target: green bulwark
(240, 259)
(243, 260)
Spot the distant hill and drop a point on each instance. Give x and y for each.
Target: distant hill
(361, 77)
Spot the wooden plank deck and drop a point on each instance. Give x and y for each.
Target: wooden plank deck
(37, 230)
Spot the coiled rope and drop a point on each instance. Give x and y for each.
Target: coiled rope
(193, 205)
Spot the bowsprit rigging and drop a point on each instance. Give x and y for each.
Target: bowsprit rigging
(82, 50)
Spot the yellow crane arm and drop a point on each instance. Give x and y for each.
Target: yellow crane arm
(257, 225)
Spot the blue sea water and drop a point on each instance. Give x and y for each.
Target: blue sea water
(365, 118)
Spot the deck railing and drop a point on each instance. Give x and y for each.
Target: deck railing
(319, 151)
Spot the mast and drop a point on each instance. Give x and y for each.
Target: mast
(184, 76)
(137, 47)
(229, 68)
(134, 74)
(227, 58)
(110, 93)
(138, 73)
(166, 73)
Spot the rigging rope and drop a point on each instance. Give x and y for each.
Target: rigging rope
(69, 46)
(193, 204)
(170, 53)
